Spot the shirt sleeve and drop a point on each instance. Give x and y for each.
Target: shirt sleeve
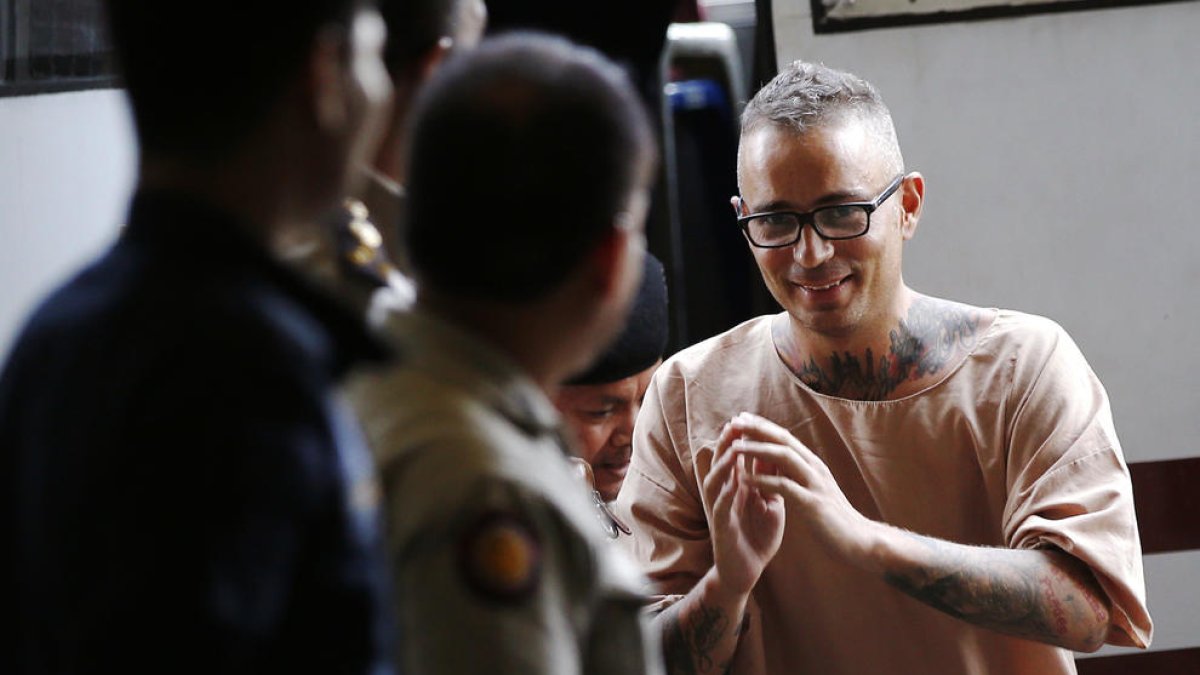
(660, 499)
(1068, 485)
(491, 581)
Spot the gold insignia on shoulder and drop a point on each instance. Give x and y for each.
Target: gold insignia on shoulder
(500, 558)
(366, 233)
(361, 255)
(357, 210)
(361, 226)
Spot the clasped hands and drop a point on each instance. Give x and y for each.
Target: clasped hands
(761, 474)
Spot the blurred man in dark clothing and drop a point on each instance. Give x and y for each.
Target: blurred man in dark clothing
(182, 491)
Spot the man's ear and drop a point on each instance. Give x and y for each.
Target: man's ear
(415, 74)
(619, 252)
(912, 200)
(607, 260)
(326, 78)
(614, 257)
(433, 57)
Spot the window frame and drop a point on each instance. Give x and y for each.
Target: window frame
(18, 55)
(906, 13)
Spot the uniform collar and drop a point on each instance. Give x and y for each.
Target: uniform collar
(199, 239)
(466, 362)
(456, 357)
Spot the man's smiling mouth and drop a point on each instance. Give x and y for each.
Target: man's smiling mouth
(817, 287)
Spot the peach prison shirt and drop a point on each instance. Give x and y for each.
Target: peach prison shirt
(1015, 447)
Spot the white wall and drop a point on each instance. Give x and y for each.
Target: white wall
(67, 164)
(1061, 154)
(1062, 158)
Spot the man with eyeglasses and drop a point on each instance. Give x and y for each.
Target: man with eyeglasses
(874, 480)
(183, 489)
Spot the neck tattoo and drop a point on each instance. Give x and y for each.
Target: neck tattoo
(924, 343)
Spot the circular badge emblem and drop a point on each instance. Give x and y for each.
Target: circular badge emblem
(500, 558)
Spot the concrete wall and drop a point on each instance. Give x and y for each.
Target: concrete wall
(1061, 154)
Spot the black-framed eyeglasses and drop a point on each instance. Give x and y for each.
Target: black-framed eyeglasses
(777, 229)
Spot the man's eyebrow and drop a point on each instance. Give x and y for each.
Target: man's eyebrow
(777, 205)
(831, 199)
(609, 399)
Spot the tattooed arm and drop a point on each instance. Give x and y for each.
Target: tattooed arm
(700, 632)
(1043, 595)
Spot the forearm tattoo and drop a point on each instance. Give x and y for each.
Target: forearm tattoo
(689, 639)
(1017, 595)
(925, 341)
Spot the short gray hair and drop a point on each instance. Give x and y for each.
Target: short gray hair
(807, 95)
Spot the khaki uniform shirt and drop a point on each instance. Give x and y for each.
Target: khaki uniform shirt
(1014, 447)
(499, 563)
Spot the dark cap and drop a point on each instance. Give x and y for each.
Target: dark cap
(644, 338)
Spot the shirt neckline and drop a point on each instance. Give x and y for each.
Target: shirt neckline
(985, 336)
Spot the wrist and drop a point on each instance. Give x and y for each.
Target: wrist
(716, 591)
(876, 549)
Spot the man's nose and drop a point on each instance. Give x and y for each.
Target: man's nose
(811, 250)
(623, 431)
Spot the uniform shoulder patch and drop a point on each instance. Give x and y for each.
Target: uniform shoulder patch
(500, 558)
